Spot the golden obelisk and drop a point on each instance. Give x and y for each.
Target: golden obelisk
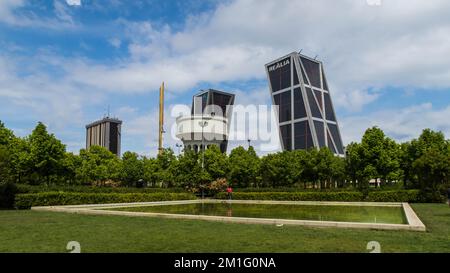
(161, 118)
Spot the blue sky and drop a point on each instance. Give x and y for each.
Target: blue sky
(63, 62)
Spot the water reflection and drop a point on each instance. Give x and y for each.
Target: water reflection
(391, 215)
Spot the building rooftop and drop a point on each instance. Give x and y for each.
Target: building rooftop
(106, 119)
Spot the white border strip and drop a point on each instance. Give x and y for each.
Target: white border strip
(414, 223)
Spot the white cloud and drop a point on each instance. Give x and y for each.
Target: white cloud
(39, 96)
(115, 42)
(73, 2)
(354, 100)
(402, 124)
(362, 47)
(6, 10)
(401, 43)
(16, 13)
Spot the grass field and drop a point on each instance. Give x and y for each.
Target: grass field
(33, 231)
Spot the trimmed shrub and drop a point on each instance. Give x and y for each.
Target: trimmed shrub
(346, 196)
(93, 189)
(25, 201)
(293, 189)
(410, 196)
(7, 194)
(295, 196)
(428, 195)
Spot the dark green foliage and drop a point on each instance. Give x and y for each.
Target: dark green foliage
(24, 201)
(216, 163)
(97, 165)
(410, 196)
(244, 167)
(296, 196)
(291, 189)
(91, 189)
(345, 196)
(7, 194)
(423, 163)
(46, 154)
(132, 169)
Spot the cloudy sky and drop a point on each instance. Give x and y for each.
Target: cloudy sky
(63, 62)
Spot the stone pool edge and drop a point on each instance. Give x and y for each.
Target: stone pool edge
(414, 223)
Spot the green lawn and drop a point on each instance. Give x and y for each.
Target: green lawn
(32, 231)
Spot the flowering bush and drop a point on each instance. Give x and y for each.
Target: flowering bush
(219, 185)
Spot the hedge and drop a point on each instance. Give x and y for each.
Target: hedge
(295, 196)
(23, 188)
(293, 189)
(24, 201)
(376, 196)
(410, 196)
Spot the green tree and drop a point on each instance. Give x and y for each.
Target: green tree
(324, 167)
(150, 171)
(308, 161)
(280, 169)
(98, 165)
(21, 160)
(432, 168)
(70, 164)
(5, 172)
(46, 153)
(166, 161)
(6, 135)
(216, 163)
(244, 167)
(381, 154)
(338, 174)
(414, 150)
(132, 169)
(358, 168)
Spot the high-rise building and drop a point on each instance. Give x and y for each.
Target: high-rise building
(105, 133)
(306, 117)
(208, 123)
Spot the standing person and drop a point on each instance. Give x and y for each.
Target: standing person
(229, 192)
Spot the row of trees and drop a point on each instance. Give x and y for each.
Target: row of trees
(422, 163)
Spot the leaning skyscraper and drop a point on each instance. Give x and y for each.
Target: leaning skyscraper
(306, 116)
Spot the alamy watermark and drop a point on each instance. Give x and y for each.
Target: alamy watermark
(257, 123)
(373, 2)
(74, 247)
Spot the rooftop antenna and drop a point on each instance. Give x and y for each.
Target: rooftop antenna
(316, 57)
(300, 51)
(108, 112)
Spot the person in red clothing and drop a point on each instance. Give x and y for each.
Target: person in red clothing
(229, 192)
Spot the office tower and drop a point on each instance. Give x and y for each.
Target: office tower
(306, 117)
(105, 133)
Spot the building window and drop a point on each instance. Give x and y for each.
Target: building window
(302, 135)
(286, 136)
(337, 139)
(320, 132)
(299, 104)
(312, 104)
(283, 101)
(329, 113)
(280, 75)
(312, 69)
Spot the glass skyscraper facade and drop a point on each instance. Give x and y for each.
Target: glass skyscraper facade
(306, 117)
